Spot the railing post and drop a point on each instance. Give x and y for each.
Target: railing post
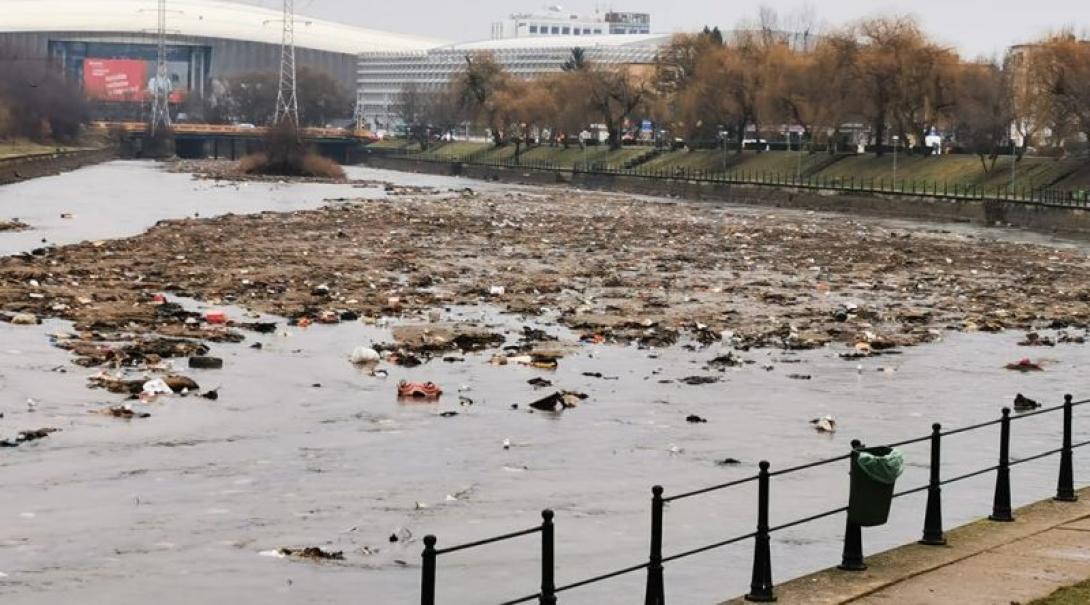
(1065, 488)
(760, 589)
(1001, 508)
(852, 559)
(932, 522)
(655, 593)
(427, 589)
(548, 556)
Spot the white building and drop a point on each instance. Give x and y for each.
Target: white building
(382, 76)
(207, 39)
(555, 21)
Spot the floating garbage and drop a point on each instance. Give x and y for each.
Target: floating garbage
(558, 401)
(401, 535)
(1024, 404)
(24, 319)
(28, 436)
(418, 390)
(205, 363)
(1033, 339)
(825, 424)
(157, 386)
(215, 317)
(1025, 365)
(124, 412)
(311, 552)
(364, 355)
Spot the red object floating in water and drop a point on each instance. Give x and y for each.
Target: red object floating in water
(215, 317)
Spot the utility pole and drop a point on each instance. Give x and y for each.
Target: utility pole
(287, 100)
(160, 108)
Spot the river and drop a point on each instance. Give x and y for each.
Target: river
(185, 506)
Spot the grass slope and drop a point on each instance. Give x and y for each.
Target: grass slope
(926, 173)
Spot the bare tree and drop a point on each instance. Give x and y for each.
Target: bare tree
(36, 102)
(479, 87)
(615, 93)
(412, 109)
(984, 112)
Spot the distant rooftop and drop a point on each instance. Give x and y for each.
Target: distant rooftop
(567, 42)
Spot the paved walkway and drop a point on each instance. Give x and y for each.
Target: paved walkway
(985, 563)
(1021, 571)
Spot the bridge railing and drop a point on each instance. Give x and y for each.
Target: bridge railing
(761, 587)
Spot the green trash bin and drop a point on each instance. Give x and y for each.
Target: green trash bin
(873, 476)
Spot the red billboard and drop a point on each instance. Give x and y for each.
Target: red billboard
(130, 80)
(115, 79)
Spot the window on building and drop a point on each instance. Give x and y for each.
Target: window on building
(598, 31)
(576, 31)
(556, 29)
(586, 31)
(533, 29)
(567, 30)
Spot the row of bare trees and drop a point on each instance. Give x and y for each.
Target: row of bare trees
(882, 75)
(516, 111)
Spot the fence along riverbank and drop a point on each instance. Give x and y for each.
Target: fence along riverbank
(1047, 210)
(761, 587)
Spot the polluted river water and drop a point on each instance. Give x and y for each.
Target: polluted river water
(304, 449)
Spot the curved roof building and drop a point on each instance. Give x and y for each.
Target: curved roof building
(208, 39)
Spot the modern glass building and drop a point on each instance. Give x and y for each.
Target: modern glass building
(382, 76)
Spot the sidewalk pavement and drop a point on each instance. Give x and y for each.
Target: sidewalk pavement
(984, 563)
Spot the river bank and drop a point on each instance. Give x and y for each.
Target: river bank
(1048, 212)
(20, 168)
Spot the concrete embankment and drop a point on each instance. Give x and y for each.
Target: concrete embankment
(987, 563)
(21, 168)
(1035, 217)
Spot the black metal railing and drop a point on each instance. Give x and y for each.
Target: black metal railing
(761, 587)
(1026, 193)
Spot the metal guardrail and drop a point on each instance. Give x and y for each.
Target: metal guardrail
(761, 588)
(235, 130)
(956, 191)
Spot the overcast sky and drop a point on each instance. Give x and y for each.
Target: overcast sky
(975, 27)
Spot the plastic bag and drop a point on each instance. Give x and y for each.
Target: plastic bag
(884, 465)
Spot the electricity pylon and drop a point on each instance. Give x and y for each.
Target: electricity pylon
(287, 100)
(160, 105)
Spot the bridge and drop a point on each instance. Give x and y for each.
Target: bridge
(232, 141)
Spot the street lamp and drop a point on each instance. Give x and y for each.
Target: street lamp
(723, 143)
(798, 169)
(584, 139)
(896, 144)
